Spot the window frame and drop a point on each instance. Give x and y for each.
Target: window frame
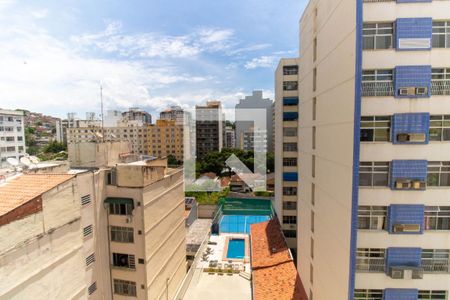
(445, 28)
(376, 124)
(437, 218)
(124, 287)
(126, 234)
(374, 214)
(440, 170)
(376, 168)
(440, 129)
(374, 30)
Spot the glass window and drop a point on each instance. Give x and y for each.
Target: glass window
(378, 36)
(290, 85)
(289, 205)
(290, 131)
(440, 128)
(122, 234)
(120, 209)
(435, 260)
(290, 70)
(124, 287)
(372, 217)
(377, 82)
(370, 260)
(375, 129)
(441, 34)
(432, 295)
(288, 147)
(290, 233)
(289, 191)
(361, 294)
(437, 218)
(289, 220)
(289, 161)
(373, 173)
(438, 173)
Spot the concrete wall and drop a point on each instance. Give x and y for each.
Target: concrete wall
(90, 155)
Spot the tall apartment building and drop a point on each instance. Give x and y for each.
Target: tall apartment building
(255, 101)
(12, 135)
(111, 233)
(254, 139)
(174, 113)
(230, 138)
(374, 156)
(286, 148)
(165, 138)
(209, 127)
(137, 114)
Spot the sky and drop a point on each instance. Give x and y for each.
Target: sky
(54, 55)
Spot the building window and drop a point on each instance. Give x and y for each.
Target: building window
(289, 205)
(440, 81)
(111, 177)
(290, 85)
(313, 166)
(440, 128)
(290, 234)
(373, 173)
(90, 259)
(92, 288)
(378, 83)
(372, 217)
(313, 194)
(314, 109)
(435, 260)
(290, 162)
(124, 287)
(124, 261)
(311, 273)
(437, 218)
(120, 209)
(312, 248)
(86, 199)
(360, 294)
(312, 221)
(122, 234)
(375, 129)
(370, 259)
(438, 173)
(315, 49)
(378, 35)
(314, 131)
(290, 70)
(289, 220)
(289, 191)
(314, 79)
(432, 295)
(290, 147)
(290, 131)
(441, 34)
(87, 230)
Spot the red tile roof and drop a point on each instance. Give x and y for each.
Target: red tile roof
(274, 274)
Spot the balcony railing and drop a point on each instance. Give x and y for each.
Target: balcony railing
(435, 266)
(372, 265)
(440, 87)
(379, 88)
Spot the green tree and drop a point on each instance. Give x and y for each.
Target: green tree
(54, 147)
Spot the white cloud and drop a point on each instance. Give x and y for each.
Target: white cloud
(262, 62)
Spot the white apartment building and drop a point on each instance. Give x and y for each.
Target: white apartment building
(12, 135)
(374, 155)
(286, 148)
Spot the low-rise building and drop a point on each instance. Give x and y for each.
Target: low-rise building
(12, 135)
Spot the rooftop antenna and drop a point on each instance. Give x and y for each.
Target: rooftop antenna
(101, 108)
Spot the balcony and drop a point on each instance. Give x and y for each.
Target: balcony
(435, 266)
(379, 88)
(440, 87)
(374, 265)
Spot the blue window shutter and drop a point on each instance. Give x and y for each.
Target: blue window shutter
(406, 214)
(413, 33)
(412, 77)
(290, 116)
(400, 294)
(290, 176)
(290, 101)
(410, 123)
(408, 170)
(403, 257)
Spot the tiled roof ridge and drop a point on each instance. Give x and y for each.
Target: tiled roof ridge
(272, 265)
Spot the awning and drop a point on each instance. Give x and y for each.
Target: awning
(114, 200)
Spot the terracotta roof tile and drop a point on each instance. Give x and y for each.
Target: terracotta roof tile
(26, 187)
(273, 271)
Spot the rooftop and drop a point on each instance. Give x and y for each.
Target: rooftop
(21, 189)
(273, 271)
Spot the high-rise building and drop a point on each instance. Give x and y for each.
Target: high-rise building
(137, 114)
(174, 113)
(255, 101)
(374, 91)
(209, 126)
(230, 138)
(286, 148)
(12, 135)
(165, 138)
(254, 139)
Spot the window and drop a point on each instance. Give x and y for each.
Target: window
(92, 288)
(289, 205)
(10, 139)
(375, 129)
(19, 129)
(372, 217)
(377, 35)
(311, 273)
(368, 294)
(440, 128)
(441, 34)
(124, 287)
(373, 173)
(312, 248)
(124, 261)
(290, 131)
(122, 234)
(289, 220)
(290, 85)
(432, 295)
(313, 166)
(90, 259)
(86, 199)
(440, 81)
(87, 230)
(289, 191)
(314, 109)
(289, 161)
(289, 147)
(120, 209)
(290, 233)
(438, 173)
(111, 178)
(20, 138)
(378, 82)
(313, 194)
(290, 70)
(370, 259)
(314, 79)
(315, 49)
(312, 221)
(435, 260)
(437, 218)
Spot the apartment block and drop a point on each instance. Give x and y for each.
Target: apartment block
(286, 148)
(175, 113)
(375, 99)
(230, 138)
(12, 135)
(209, 127)
(165, 138)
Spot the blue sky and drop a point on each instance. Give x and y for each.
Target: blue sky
(148, 54)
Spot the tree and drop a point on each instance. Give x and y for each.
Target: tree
(54, 147)
(172, 161)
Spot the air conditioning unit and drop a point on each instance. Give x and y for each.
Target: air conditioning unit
(407, 228)
(406, 272)
(421, 91)
(419, 185)
(396, 273)
(403, 184)
(403, 137)
(417, 137)
(407, 91)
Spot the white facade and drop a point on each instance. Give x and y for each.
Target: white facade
(12, 135)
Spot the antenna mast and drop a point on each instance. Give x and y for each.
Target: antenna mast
(101, 104)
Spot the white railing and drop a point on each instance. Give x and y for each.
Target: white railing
(377, 88)
(440, 87)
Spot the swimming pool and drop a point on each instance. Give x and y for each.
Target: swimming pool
(236, 248)
(240, 223)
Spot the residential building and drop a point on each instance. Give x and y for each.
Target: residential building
(12, 135)
(209, 124)
(137, 114)
(230, 138)
(254, 139)
(286, 148)
(165, 138)
(255, 101)
(174, 113)
(375, 97)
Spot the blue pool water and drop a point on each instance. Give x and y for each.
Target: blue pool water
(240, 223)
(236, 248)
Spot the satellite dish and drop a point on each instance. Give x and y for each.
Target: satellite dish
(34, 159)
(25, 160)
(12, 161)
